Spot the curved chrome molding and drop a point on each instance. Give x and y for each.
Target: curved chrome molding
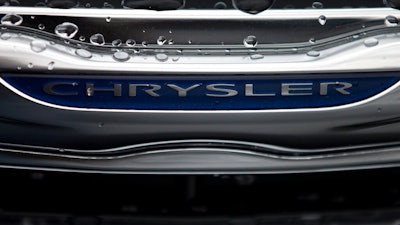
(359, 13)
(239, 147)
(355, 104)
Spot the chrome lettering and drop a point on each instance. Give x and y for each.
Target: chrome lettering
(90, 89)
(249, 91)
(340, 87)
(296, 89)
(182, 92)
(217, 88)
(151, 91)
(49, 88)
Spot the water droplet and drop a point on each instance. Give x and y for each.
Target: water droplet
(19, 68)
(189, 42)
(317, 5)
(38, 46)
(144, 44)
(250, 41)
(256, 56)
(170, 42)
(82, 38)
(313, 53)
(161, 57)
(170, 31)
(391, 21)
(30, 65)
(11, 19)
(107, 5)
(220, 5)
(66, 30)
(253, 6)
(83, 53)
(41, 26)
(33, 17)
(97, 39)
(161, 40)
(130, 42)
(312, 40)
(6, 36)
(50, 66)
(322, 20)
(88, 5)
(116, 43)
(121, 56)
(370, 42)
(108, 19)
(89, 91)
(356, 36)
(176, 58)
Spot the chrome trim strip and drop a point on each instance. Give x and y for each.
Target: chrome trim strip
(365, 101)
(262, 150)
(204, 149)
(271, 14)
(204, 171)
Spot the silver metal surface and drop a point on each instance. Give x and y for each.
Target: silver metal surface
(363, 134)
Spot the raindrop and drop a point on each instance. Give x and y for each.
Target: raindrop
(108, 19)
(175, 59)
(6, 36)
(170, 42)
(121, 56)
(89, 91)
(322, 20)
(33, 17)
(313, 53)
(144, 44)
(189, 42)
(317, 5)
(19, 68)
(66, 30)
(220, 5)
(107, 5)
(30, 65)
(161, 40)
(82, 38)
(50, 66)
(170, 31)
(116, 43)
(312, 40)
(97, 39)
(11, 19)
(250, 41)
(41, 26)
(130, 42)
(161, 57)
(38, 46)
(370, 42)
(253, 6)
(83, 53)
(88, 5)
(256, 56)
(391, 21)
